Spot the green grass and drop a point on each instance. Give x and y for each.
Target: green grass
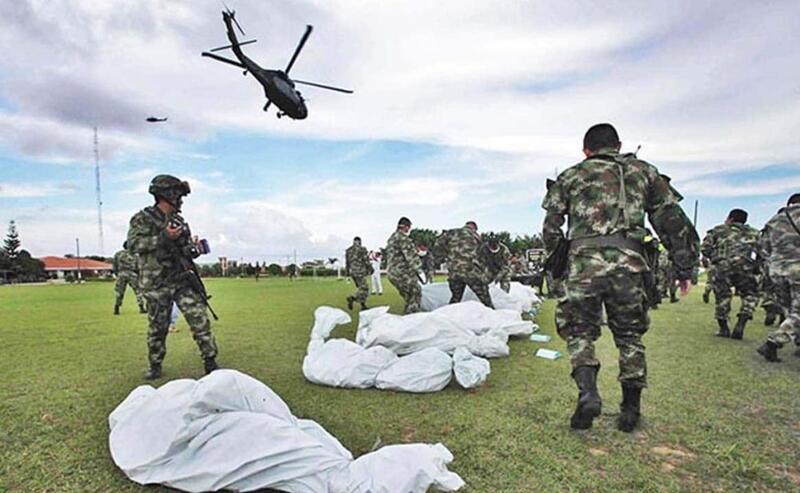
(717, 417)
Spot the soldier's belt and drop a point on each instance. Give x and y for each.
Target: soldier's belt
(617, 240)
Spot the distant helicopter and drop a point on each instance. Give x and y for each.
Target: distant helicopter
(153, 119)
(278, 87)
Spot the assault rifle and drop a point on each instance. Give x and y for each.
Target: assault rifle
(186, 251)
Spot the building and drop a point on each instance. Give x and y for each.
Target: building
(60, 267)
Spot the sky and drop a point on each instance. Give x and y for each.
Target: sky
(461, 111)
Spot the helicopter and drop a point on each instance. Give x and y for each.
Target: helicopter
(155, 119)
(278, 87)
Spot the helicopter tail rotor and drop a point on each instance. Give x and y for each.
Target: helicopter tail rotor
(232, 13)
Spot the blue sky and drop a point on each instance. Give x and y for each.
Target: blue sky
(461, 111)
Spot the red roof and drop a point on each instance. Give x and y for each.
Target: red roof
(63, 263)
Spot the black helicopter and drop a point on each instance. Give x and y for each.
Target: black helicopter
(155, 119)
(278, 87)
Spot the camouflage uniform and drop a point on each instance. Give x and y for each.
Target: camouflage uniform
(464, 265)
(127, 272)
(769, 297)
(732, 249)
(498, 265)
(428, 266)
(606, 265)
(780, 243)
(710, 272)
(163, 281)
(666, 277)
(403, 266)
(358, 268)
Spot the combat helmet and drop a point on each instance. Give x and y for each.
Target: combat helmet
(169, 187)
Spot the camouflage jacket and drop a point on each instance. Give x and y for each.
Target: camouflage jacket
(461, 248)
(732, 245)
(402, 260)
(498, 264)
(124, 263)
(780, 243)
(591, 195)
(158, 256)
(356, 260)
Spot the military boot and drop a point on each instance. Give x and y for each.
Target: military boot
(770, 318)
(724, 331)
(116, 309)
(769, 350)
(630, 408)
(673, 298)
(142, 309)
(154, 372)
(210, 365)
(589, 403)
(738, 331)
(350, 303)
(706, 298)
(364, 306)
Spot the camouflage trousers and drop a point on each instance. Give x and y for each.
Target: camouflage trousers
(667, 285)
(459, 284)
(123, 281)
(769, 296)
(362, 289)
(788, 295)
(159, 311)
(709, 281)
(505, 285)
(746, 285)
(410, 290)
(579, 314)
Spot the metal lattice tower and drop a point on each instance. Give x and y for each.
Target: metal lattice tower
(97, 189)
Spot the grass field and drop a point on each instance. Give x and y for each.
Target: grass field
(717, 417)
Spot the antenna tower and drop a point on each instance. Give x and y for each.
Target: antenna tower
(97, 189)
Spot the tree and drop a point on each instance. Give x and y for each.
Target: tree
(29, 268)
(274, 270)
(424, 236)
(12, 242)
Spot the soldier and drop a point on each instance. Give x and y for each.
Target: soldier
(357, 266)
(428, 267)
(732, 248)
(497, 259)
(780, 242)
(127, 272)
(461, 247)
(162, 241)
(710, 270)
(376, 286)
(606, 197)
(769, 299)
(403, 266)
(666, 276)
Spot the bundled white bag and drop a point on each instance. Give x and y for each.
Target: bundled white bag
(471, 371)
(429, 370)
(405, 334)
(230, 431)
(520, 298)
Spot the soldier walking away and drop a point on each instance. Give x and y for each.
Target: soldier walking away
(780, 242)
(497, 259)
(403, 266)
(376, 286)
(461, 248)
(428, 263)
(358, 267)
(167, 273)
(605, 198)
(732, 248)
(124, 266)
(710, 271)
(668, 285)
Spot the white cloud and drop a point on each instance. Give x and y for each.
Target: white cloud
(25, 190)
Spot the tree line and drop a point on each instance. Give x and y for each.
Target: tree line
(16, 263)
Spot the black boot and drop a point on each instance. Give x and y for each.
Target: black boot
(116, 309)
(630, 408)
(364, 306)
(770, 318)
(724, 331)
(210, 365)
(706, 298)
(589, 403)
(350, 303)
(769, 350)
(738, 331)
(153, 373)
(142, 309)
(674, 299)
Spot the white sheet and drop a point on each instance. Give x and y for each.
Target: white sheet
(230, 431)
(520, 298)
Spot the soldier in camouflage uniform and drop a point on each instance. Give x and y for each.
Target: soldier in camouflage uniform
(732, 248)
(710, 271)
(428, 262)
(780, 242)
(769, 299)
(666, 277)
(358, 267)
(403, 266)
(127, 272)
(497, 259)
(162, 241)
(461, 247)
(606, 198)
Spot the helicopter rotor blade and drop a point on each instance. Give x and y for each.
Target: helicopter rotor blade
(300, 45)
(231, 46)
(323, 86)
(223, 59)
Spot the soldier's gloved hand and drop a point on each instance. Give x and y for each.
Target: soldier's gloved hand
(173, 232)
